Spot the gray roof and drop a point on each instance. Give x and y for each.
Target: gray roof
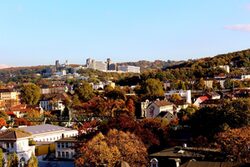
(210, 164)
(44, 128)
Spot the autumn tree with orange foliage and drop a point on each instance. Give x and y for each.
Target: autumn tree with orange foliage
(100, 106)
(2, 122)
(114, 147)
(236, 143)
(33, 114)
(97, 152)
(130, 106)
(132, 149)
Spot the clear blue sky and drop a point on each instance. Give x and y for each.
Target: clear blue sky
(39, 32)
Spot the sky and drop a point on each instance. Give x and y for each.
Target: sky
(40, 32)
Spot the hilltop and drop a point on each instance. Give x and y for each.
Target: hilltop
(236, 59)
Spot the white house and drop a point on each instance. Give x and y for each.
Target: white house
(16, 140)
(200, 100)
(158, 106)
(244, 77)
(183, 93)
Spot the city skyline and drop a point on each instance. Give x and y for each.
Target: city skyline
(35, 33)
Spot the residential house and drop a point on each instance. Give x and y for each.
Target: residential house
(186, 94)
(213, 95)
(200, 100)
(157, 107)
(19, 111)
(209, 83)
(194, 163)
(53, 102)
(225, 67)
(8, 98)
(9, 94)
(245, 77)
(53, 90)
(176, 156)
(16, 140)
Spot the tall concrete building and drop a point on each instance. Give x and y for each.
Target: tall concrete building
(57, 64)
(96, 65)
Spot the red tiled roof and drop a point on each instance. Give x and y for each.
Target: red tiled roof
(11, 113)
(203, 98)
(162, 103)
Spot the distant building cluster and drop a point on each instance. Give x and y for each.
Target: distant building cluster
(109, 66)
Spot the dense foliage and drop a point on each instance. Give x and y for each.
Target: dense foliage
(111, 148)
(30, 93)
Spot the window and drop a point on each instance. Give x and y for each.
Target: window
(58, 145)
(62, 145)
(58, 154)
(7, 145)
(66, 145)
(67, 154)
(63, 154)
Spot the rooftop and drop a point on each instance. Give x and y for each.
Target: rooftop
(161, 103)
(210, 164)
(44, 128)
(67, 139)
(13, 134)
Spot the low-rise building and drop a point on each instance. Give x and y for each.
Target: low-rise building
(157, 107)
(183, 93)
(8, 94)
(65, 148)
(18, 141)
(49, 133)
(127, 68)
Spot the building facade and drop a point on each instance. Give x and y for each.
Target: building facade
(65, 148)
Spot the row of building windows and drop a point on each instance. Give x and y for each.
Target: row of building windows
(56, 138)
(9, 145)
(50, 139)
(64, 154)
(65, 145)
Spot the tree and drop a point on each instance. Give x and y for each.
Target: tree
(2, 122)
(1, 158)
(30, 93)
(75, 101)
(114, 147)
(131, 148)
(97, 152)
(33, 162)
(33, 114)
(85, 91)
(235, 143)
(130, 105)
(152, 88)
(3, 115)
(216, 85)
(12, 160)
(200, 85)
(228, 84)
(116, 94)
(228, 114)
(175, 97)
